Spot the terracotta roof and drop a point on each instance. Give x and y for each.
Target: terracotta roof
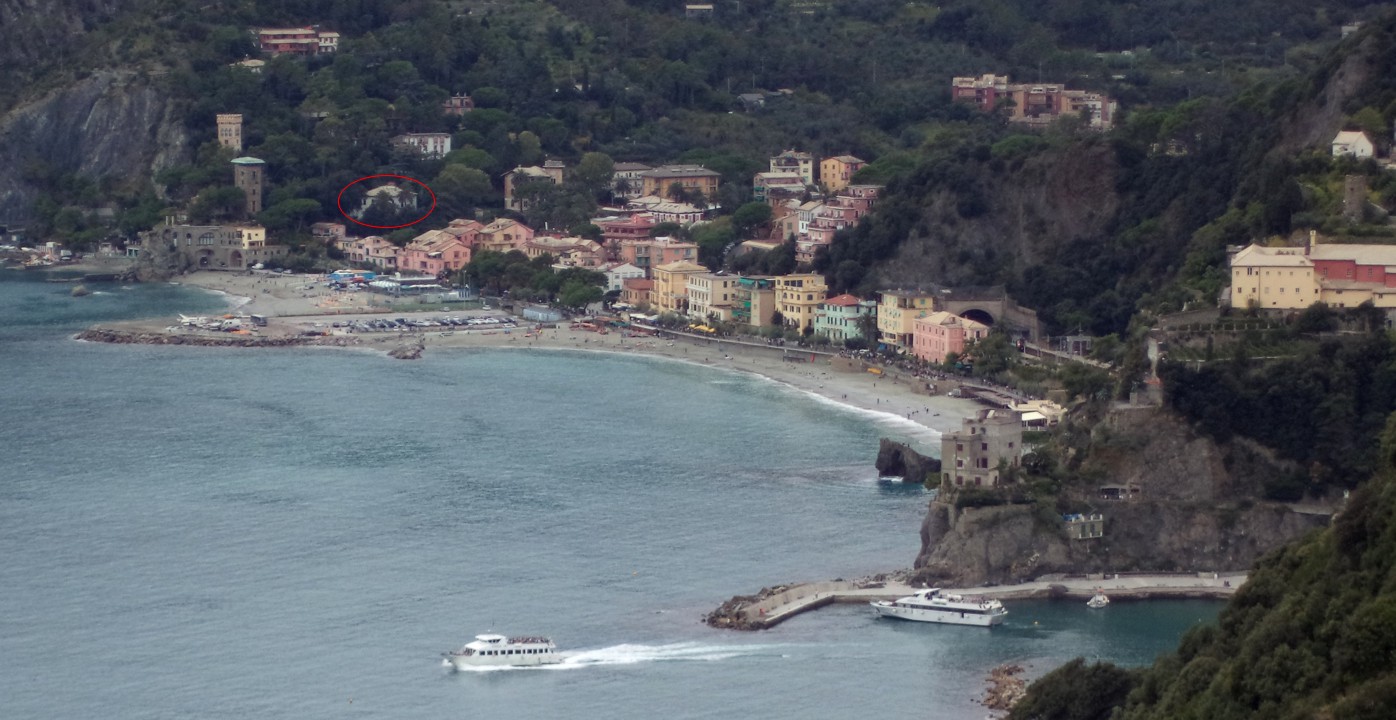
(844, 300)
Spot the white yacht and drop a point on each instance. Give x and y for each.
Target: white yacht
(935, 606)
(498, 650)
(1097, 601)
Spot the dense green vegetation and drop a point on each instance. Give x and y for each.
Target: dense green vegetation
(1323, 407)
(638, 81)
(514, 273)
(1207, 90)
(1311, 634)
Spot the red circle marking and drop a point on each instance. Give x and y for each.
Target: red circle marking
(339, 202)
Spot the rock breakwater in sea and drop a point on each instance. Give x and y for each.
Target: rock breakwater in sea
(733, 615)
(132, 337)
(1006, 688)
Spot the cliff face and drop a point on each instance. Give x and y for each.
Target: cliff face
(1029, 207)
(1195, 511)
(111, 123)
(37, 36)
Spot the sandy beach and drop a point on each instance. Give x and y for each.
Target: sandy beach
(294, 304)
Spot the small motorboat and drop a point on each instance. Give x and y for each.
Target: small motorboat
(1098, 601)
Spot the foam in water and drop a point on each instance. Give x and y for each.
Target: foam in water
(629, 654)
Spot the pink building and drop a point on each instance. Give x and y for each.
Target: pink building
(1033, 103)
(328, 232)
(935, 335)
(504, 235)
(633, 227)
(373, 250)
(458, 105)
(839, 212)
(297, 41)
(568, 251)
(434, 252)
(1372, 265)
(650, 253)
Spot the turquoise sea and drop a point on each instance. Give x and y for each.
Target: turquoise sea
(202, 533)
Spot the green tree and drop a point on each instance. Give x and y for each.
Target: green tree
(712, 239)
(459, 190)
(593, 173)
(530, 148)
(219, 203)
(577, 295)
(750, 216)
(290, 215)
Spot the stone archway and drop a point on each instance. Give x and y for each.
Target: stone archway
(235, 259)
(978, 315)
(205, 258)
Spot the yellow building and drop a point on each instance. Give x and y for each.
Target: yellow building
(253, 236)
(695, 179)
(836, 173)
(670, 292)
(798, 298)
(897, 311)
(1269, 278)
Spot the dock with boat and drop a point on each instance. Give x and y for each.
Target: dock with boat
(774, 605)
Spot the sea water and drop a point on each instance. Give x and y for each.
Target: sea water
(215, 533)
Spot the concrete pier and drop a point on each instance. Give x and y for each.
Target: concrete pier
(770, 609)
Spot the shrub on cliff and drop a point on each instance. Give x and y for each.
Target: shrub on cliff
(1076, 691)
(1311, 634)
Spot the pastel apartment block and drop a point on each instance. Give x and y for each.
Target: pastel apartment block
(1033, 103)
(938, 334)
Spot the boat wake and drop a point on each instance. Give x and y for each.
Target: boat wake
(628, 654)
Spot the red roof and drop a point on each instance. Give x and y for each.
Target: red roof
(844, 300)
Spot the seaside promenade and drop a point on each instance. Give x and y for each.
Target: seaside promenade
(295, 303)
(770, 609)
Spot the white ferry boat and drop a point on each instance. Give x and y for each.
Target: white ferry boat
(498, 650)
(1097, 601)
(934, 606)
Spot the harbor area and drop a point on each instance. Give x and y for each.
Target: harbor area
(774, 605)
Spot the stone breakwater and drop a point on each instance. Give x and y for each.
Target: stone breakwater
(135, 337)
(774, 605)
(1006, 687)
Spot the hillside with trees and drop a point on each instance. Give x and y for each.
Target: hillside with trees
(639, 81)
(1311, 634)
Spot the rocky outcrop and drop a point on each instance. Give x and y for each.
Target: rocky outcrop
(1196, 509)
(1006, 687)
(408, 352)
(896, 459)
(132, 337)
(111, 124)
(733, 615)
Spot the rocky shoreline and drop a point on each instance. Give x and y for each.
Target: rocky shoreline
(1006, 687)
(139, 337)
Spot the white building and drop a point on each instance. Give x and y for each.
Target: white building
(432, 145)
(618, 274)
(1354, 143)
